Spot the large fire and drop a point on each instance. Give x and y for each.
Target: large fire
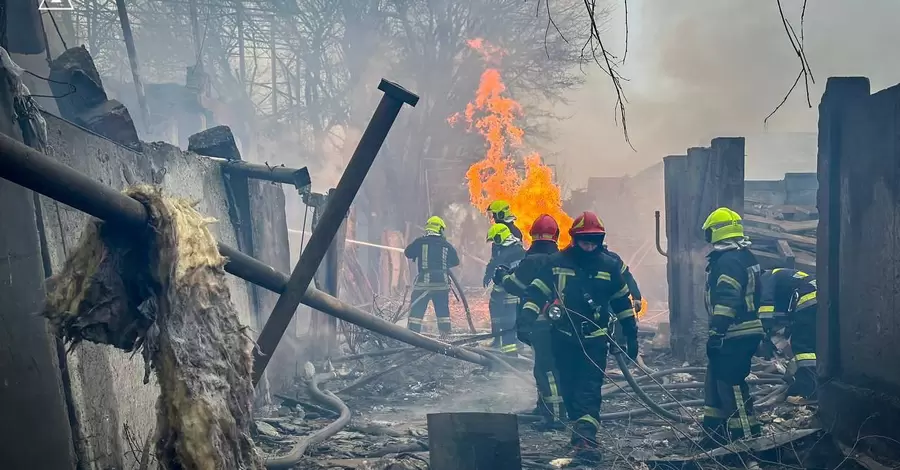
(495, 177)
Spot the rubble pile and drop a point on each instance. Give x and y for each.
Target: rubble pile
(388, 428)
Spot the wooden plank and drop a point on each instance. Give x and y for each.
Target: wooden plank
(772, 260)
(786, 226)
(467, 441)
(784, 249)
(798, 240)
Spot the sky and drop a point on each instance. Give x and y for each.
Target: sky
(699, 69)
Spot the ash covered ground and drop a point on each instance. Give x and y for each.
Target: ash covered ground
(388, 430)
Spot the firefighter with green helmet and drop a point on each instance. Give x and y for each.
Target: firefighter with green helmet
(506, 253)
(735, 330)
(434, 256)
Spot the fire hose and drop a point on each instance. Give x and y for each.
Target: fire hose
(294, 456)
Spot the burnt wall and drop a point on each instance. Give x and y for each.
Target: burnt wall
(859, 261)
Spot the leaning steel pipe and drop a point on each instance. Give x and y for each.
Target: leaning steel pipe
(330, 221)
(32, 169)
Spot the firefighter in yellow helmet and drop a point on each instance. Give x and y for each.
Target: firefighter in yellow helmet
(735, 331)
(506, 253)
(434, 256)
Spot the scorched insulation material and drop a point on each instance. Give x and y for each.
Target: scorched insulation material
(163, 293)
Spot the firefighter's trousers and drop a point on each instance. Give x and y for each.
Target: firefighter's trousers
(439, 296)
(803, 346)
(581, 363)
(728, 414)
(546, 376)
(503, 308)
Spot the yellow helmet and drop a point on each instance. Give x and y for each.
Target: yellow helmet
(500, 210)
(497, 233)
(722, 224)
(435, 224)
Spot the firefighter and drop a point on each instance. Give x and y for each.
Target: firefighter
(507, 251)
(575, 289)
(788, 299)
(735, 331)
(502, 214)
(434, 257)
(545, 236)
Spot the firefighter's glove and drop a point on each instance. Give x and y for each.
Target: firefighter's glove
(714, 343)
(486, 281)
(767, 349)
(636, 303)
(499, 274)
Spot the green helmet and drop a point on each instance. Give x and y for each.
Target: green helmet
(500, 210)
(498, 233)
(723, 224)
(435, 224)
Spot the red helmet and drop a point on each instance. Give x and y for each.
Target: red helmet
(544, 228)
(587, 224)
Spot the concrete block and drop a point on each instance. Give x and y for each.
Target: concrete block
(215, 142)
(112, 120)
(79, 87)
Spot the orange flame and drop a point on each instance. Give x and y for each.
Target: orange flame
(495, 177)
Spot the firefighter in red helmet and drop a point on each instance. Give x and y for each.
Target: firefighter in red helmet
(578, 289)
(536, 332)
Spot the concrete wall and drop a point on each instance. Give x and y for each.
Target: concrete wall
(858, 261)
(695, 185)
(114, 410)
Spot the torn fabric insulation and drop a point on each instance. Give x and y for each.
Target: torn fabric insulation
(163, 293)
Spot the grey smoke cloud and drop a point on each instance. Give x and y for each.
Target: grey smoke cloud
(705, 68)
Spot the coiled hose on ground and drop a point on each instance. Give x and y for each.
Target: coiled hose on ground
(294, 456)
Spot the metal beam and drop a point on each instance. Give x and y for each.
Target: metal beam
(329, 223)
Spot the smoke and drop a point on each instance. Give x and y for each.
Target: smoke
(705, 68)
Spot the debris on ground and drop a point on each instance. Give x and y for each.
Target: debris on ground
(389, 412)
(164, 293)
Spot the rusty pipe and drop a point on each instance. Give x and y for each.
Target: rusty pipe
(32, 169)
(330, 221)
(296, 177)
(658, 241)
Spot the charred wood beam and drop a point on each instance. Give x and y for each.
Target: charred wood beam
(784, 249)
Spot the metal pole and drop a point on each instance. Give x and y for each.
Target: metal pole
(299, 178)
(332, 217)
(659, 247)
(27, 167)
(133, 59)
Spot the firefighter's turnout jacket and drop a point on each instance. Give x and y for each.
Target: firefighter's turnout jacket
(586, 286)
(789, 299)
(434, 256)
(785, 291)
(503, 305)
(732, 297)
(537, 335)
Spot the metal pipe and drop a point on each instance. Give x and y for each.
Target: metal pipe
(297, 177)
(27, 167)
(659, 247)
(133, 60)
(330, 221)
